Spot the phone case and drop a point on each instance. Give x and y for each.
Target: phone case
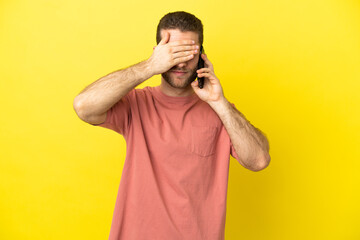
(201, 65)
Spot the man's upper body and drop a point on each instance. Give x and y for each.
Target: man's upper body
(179, 140)
(175, 175)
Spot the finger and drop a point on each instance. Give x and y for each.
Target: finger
(207, 61)
(181, 43)
(165, 39)
(207, 75)
(183, 59)
(195, 85)
(203, 70)
(184, 48)
(184, 54)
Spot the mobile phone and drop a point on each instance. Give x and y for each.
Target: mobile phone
(201, 65)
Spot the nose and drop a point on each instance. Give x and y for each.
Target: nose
(181, 65)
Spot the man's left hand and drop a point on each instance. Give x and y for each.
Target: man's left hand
(212, 91)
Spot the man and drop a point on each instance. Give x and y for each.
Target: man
(179, 139)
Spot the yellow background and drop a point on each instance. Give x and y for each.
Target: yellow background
(291, 67)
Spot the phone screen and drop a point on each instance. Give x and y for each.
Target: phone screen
(201, 65)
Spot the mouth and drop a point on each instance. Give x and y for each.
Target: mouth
(178, 73)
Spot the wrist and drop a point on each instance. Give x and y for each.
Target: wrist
(219, 104)
(149, 69)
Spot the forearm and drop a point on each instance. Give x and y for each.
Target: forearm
(102, 94)
(250, 144)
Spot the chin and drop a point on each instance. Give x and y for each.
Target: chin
(178, 82)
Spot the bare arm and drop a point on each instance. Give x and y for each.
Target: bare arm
(93, 102)
(250, 144)
(96, 99)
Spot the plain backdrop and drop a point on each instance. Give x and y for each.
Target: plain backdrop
(291, 67)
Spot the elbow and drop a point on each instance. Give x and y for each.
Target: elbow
(262, 163)
(78, 107)
(85, 114)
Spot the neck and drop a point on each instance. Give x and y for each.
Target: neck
(167, 89)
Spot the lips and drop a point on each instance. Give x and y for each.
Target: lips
(179, 73)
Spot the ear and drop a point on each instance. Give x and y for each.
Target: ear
(153, 48)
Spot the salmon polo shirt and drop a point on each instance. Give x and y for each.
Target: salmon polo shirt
(175, 176)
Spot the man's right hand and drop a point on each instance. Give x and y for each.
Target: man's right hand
(168, 54)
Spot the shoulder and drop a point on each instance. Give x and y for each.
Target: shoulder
(139, 96)
(139, 92)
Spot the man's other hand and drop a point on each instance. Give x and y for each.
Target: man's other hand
(168, 54)
(212, 91)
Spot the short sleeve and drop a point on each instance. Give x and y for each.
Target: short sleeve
(118, 117)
